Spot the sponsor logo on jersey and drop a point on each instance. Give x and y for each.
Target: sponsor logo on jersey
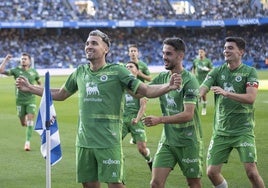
(92, 89)
(111, 161)
(170, 101)
(228, 87)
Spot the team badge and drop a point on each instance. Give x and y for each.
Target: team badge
(104, 78)
(238, 78)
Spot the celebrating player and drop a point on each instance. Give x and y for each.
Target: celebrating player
(101, 87)
(201, 66)
(25, 101)
(181, 141)
(235, 87)
(133, 112)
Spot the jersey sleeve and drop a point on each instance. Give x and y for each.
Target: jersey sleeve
(191, 91)
(210, 65)
(128, 80)
(252, 80)
(71, 83)
(210, 78)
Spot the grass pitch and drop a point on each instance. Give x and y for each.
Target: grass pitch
(27, 169)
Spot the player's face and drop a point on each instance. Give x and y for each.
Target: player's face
(133, 53)
(232, 53)
(25, 61)
(201, 53)
(132, 68)
(95, 48)
(171, 57)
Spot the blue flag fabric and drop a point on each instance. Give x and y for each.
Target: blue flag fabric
(45, 121)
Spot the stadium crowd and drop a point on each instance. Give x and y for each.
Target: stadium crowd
(57, 48)
(64, 47)
(128, 9)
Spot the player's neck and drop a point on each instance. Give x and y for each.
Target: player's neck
(136, 60)
(177, 70)
(95, 66)
(232, 65)
(24, 67)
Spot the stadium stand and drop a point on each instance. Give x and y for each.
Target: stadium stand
(60, 46)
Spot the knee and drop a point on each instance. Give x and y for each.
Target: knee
(252, 174)
(155, 183)
(211, 172)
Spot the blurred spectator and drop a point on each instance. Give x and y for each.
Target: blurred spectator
(127, 10)
(63, 48)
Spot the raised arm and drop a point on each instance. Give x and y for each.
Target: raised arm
(4, 62)
(58, 94)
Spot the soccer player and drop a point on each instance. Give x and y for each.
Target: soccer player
(133, 112)
(144, 73)
(101, 90)
(201, 66)
(25, 102)
(235, 86)
(181, 141)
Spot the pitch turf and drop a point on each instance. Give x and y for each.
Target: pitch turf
(27, 169)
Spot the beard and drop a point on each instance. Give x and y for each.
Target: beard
(169, 66)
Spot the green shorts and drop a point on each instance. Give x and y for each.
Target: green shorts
(22, 110)
(189, 158)
(137, 131)
(103, 165)
(221, 146)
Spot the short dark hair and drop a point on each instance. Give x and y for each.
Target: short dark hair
(135, 64)
(102, 35)
(133, 46)
(26, 54)
(176, 42)
(240, 42)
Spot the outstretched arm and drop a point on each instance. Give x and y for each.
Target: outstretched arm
(59, 94)
(153, 91)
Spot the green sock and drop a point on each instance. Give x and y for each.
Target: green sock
(29, 132)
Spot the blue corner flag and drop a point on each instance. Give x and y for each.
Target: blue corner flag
(46, 120)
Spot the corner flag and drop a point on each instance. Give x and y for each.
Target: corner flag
(46, 122)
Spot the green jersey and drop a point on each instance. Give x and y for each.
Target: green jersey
(24, 98)
(232, 118)
(132, 105)
(201, 67)
(101, 99)
(183, 134)
(144, 69)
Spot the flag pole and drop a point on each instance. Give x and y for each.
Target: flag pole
(48, 165)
